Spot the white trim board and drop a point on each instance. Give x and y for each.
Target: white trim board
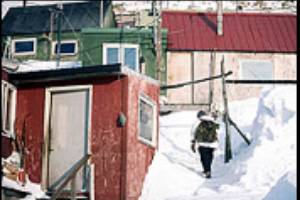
(45, 153)
(13, 42)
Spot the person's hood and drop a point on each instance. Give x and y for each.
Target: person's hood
(207, 118)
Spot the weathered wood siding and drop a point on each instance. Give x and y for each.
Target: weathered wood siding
(139, 155)
(30, 110)
(107, 138)
(180, 65)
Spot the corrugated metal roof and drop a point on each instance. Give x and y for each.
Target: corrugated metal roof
(254, 32)
(36, 19)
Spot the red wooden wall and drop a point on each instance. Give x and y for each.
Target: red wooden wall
(30, 109)
(139, 155)
(120, 160)
(107, 137)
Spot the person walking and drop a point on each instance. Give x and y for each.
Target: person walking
(205, 140)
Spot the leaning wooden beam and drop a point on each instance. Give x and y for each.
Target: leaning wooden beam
(239, 131)
(68, 176)
(166, 87)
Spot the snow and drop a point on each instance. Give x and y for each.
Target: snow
(37, 65)
(32, 188)
(261, 171)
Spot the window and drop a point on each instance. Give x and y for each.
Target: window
(24, 46)
(8, 107)
(256, 70)
(126, 54)
(147, 121)
(67, 47)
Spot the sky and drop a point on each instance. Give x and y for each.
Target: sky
(6, 4)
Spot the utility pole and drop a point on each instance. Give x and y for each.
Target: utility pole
(60, 7)
(228, 153)
(211, 82)
(157, 37)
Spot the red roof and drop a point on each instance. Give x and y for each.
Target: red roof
(254, 32)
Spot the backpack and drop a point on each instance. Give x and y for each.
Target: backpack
(206, 132)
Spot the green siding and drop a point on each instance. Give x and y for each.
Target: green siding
(93, 40)
(44, 47)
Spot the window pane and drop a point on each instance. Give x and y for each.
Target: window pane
(146, 120)
(112, 55)
(255, 70)
(130, 58)
(24, 46)
(66, 48)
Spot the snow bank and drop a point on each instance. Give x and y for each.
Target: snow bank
(259, 171)
(285, 188)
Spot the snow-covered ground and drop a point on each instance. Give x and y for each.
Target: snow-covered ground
(265, 170)
(33, 189)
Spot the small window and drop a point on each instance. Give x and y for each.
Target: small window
(126, 54)
(66, 47)
(112, 55)
(256, 70)
(147, 121)
(130, 58)
(8, 108)
(24, 46)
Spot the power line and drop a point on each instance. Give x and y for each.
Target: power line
(75, 34)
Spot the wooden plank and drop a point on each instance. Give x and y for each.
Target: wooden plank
(239, 131)
(228, 153)
(166, 87)
(211, 82)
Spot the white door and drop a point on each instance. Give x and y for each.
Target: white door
(68, 133)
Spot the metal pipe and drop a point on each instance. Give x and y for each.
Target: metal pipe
(60, 7)
(101, 15)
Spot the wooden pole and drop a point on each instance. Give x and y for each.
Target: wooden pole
(166, 87)
(211, 82)
(157, 37)
(228, 153)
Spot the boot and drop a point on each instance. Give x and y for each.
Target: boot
(207, 175)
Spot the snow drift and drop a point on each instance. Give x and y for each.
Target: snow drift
(259, 171)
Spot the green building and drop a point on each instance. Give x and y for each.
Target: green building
(32, 33)
(133, 47)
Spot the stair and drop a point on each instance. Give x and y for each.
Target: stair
(67, 196)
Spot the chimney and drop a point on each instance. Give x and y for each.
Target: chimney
(219, 18)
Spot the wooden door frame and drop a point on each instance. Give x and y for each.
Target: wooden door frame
(47, 108)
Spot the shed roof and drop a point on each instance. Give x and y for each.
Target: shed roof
(251, 32)
(36, 19)
(51, 75)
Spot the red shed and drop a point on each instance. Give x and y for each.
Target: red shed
(69, 113)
